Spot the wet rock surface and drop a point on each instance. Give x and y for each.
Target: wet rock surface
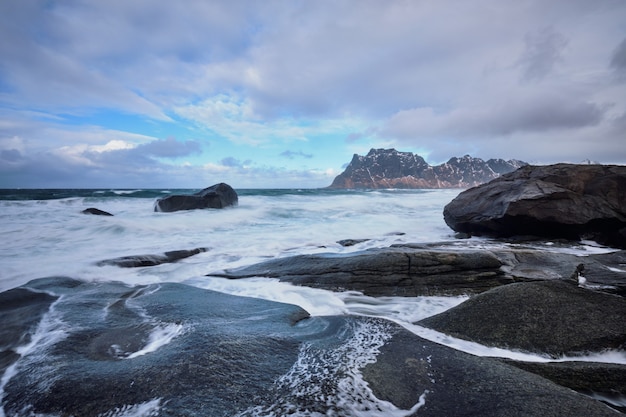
(136, 261)
(394, 271)
(552, 317)
(176, 350)
(454, 383)
(413, 270)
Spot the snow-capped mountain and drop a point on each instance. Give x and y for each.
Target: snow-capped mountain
(388, 168)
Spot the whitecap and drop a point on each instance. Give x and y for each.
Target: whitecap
(327, 381)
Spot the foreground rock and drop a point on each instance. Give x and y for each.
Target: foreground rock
(135, 261)
(172, 350)
(552, 317)
(604, 381)
(563, 200)
(452, 383)
(217, 196)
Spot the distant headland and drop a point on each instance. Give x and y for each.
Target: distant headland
(389, 168)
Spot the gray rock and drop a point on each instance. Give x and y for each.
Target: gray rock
(549, 317)
(242, 356)
(96, 211)
(562, 200)
(454, 383)
(600, 380)
(400, 271)
(135, 261)
(217, 196)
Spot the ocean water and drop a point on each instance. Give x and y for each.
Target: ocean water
(43, 233)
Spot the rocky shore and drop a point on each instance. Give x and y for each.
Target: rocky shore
(75, 348)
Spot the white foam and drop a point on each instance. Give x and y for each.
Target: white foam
(68, 243)
(159, 337)
(146, 409)
(50, 330)
(327, 381)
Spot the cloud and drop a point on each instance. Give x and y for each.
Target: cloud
(498, 118)
(232, 162)
(618, 59)
(293, 154)
(169, 148)
(543, 51)
(92, 85)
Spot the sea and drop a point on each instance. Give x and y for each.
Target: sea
(44, 233)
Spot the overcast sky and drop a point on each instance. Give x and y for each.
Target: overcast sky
(263, 94)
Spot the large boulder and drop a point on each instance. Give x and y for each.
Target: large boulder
(563, 200)
(216, 196)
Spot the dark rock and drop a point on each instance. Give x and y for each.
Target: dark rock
(562, 200)
(388, 168)
(453, 383)
(21, 311)
(135, 261)
(226, 355)
(399, 271)
(351, 242)
(549, 317)
(224, 348)
(605, 381)
(95, 211)
(217, 196)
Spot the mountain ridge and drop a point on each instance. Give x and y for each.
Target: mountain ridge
(389, 168)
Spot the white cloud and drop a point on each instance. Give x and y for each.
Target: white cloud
(530, 78)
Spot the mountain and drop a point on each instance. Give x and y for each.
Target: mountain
(388, 168)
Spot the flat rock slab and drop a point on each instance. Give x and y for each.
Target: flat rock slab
(551, 317)
(417, 269)
(392, 271)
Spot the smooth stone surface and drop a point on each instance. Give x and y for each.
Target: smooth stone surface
(551, 317)
(563, 200)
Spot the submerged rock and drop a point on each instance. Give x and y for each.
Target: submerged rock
(135, 261)
(216, 196)
(562, 200)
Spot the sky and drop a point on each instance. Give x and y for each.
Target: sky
(282, 93)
